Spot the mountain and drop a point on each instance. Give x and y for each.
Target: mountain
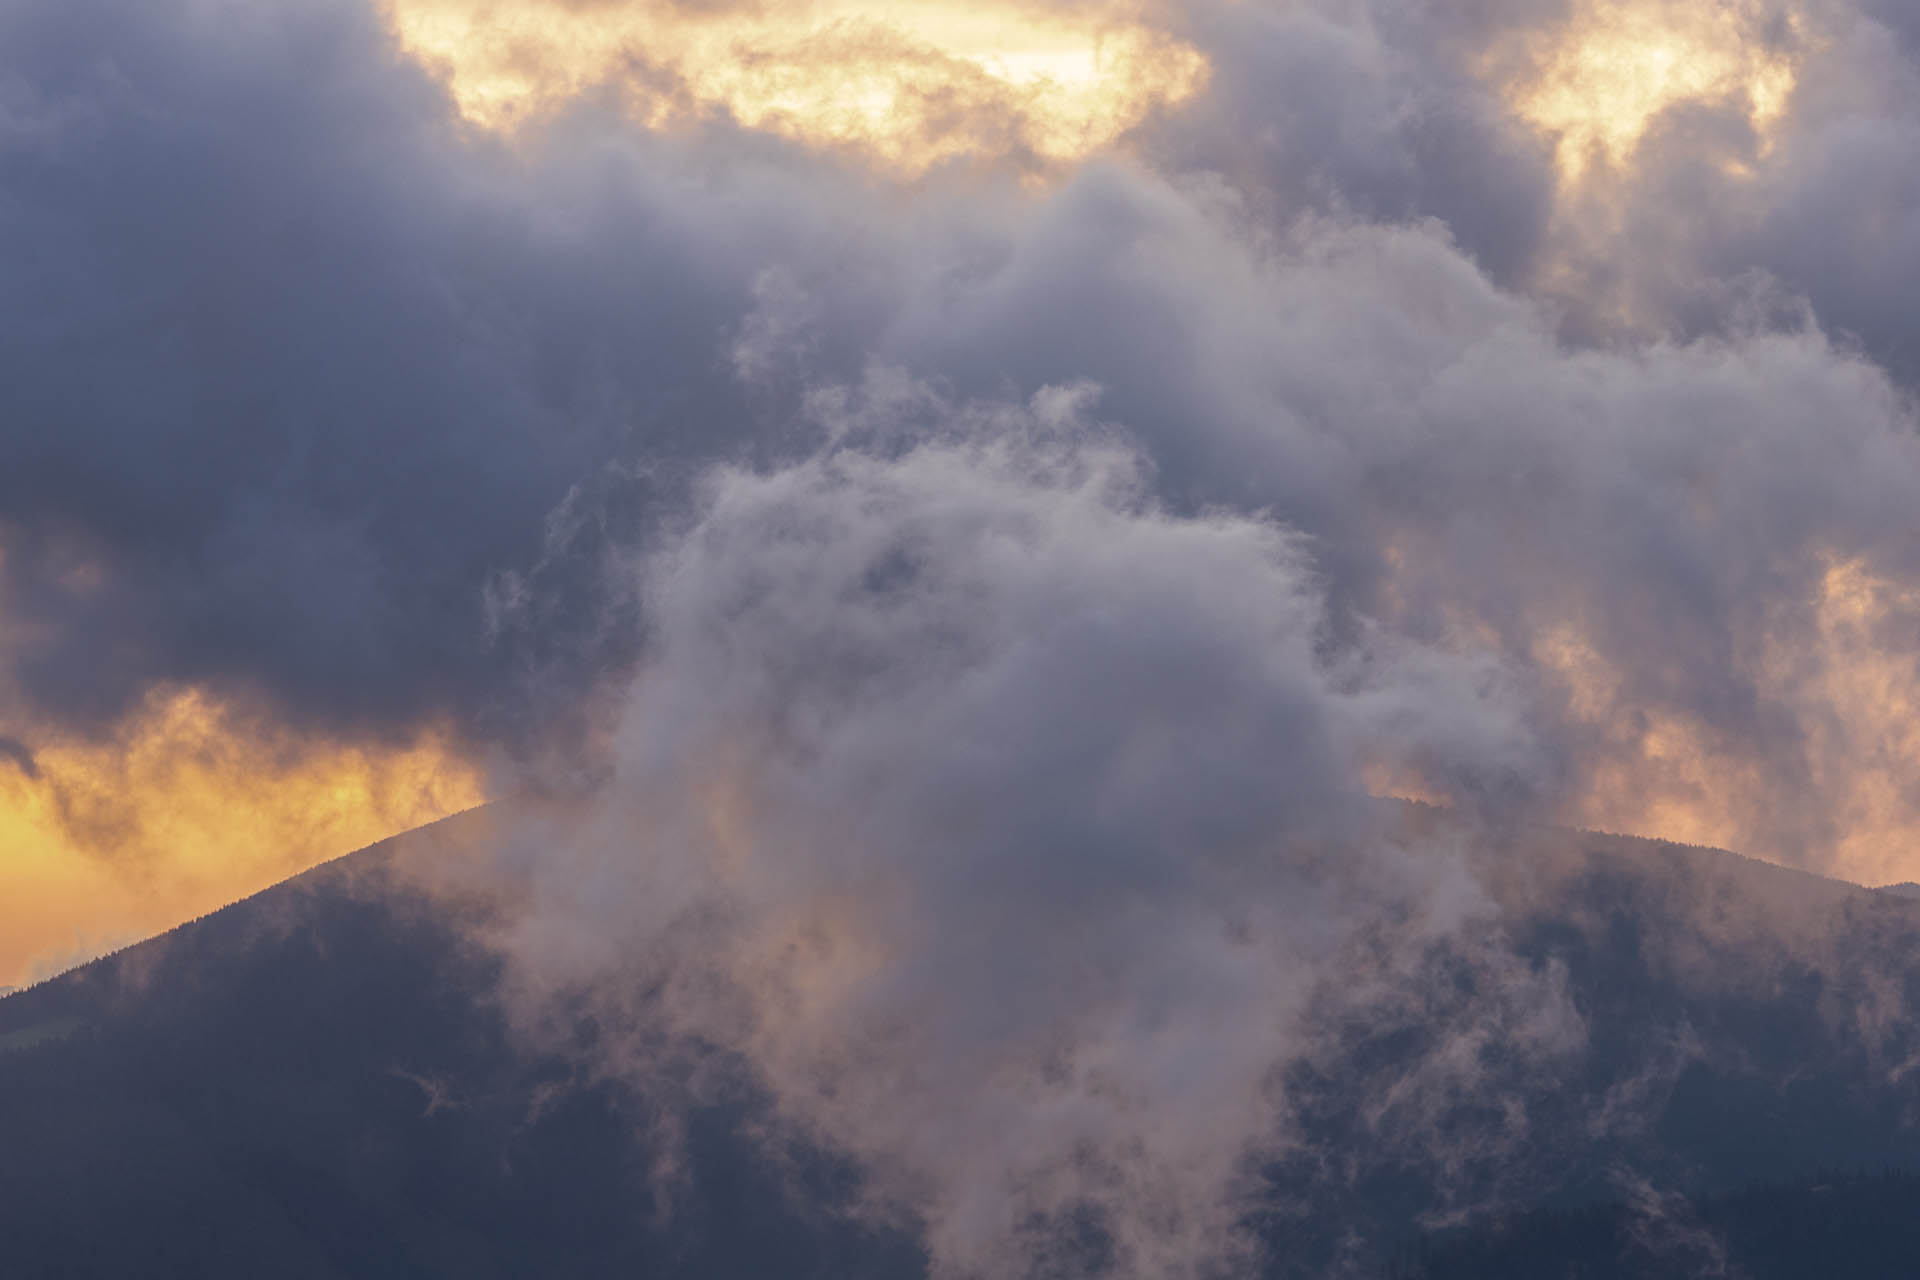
(320, 1082)
(1827, 1224)
(315, 1083)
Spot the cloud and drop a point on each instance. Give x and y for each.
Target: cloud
(1007, 825)
(910, 85)
(1645, 535)
(1664, 1230)
(354, 403)
(1380, 111)
(294, 365)
(17, 754)
(975, 602)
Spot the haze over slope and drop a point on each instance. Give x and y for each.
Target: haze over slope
(322, 1081)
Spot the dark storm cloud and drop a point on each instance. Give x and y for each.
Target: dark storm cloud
(1829, 212)
(1717, 216)
(1365, 109)
(1391, 111)
(16, 754)
(291, 363)
(302, 371)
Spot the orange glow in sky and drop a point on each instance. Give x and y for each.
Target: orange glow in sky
(1856, 703)
(1598, 84)
(184, 811)
(911, 82)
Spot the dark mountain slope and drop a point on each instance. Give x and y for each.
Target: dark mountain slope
(1828, 1225)
(314, 1082)
(317, 1082)
(1741, 1022)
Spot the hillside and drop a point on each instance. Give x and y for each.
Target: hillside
(314, 1083)
(318, 1082)
(1828, 1224)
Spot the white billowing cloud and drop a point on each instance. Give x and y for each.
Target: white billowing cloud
(1693, 555)
(987, 785)
(1008, 826)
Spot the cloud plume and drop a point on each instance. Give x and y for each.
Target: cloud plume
(1006, 824)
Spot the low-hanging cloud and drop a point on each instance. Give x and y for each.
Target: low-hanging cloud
(1008, 825)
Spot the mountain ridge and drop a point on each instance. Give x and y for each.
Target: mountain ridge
(320, 1080)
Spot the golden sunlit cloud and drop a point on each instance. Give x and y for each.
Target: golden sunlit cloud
(187, 809)
(1651, 773)
(911, 83)
(1866, 750)
(1602, 80)
(1855, 701)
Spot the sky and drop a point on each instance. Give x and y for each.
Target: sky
(940, 474)
(939, 515)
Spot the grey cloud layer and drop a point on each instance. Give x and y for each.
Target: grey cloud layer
(293, 366)
(1368, 109)
(296, 367)
(1019, 752)
(1712, 220)
(1677, 507)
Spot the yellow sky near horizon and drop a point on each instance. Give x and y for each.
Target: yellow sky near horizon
(185, 809)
